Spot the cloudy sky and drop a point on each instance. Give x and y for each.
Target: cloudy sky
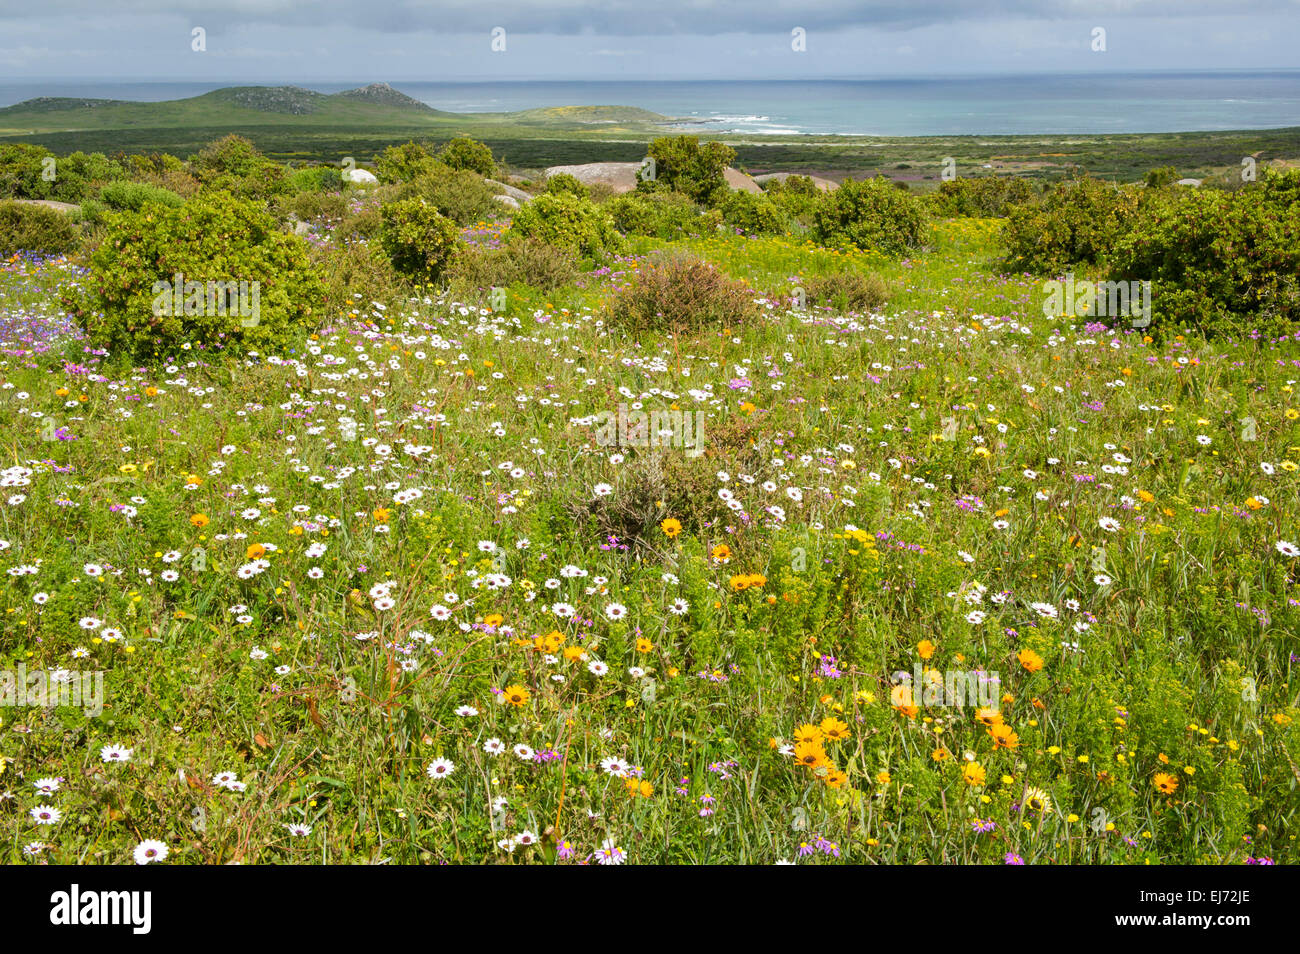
(439, 40)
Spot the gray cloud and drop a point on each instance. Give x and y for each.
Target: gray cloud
(625, 17)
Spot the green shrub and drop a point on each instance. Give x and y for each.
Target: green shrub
(418, 239)
(682, 295)
(684, 164)
(870, 214)
(128, 303)
(133, 196)
(33, 172)
(403, 163)
(753, 214)
(35, 228)
(469, 155)
(1077, 223)
(564, 182)
(355, 274)
(665, 215)
(526, 261)
(566, 221)
(233, 164)
(792, 185)
(314, 206)
(1162, 177)
(979, 196)
(1221, 263)
(460, 195)
(847, 290)
(360, 225)
(316, 179)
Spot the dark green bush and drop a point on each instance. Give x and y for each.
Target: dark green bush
(665, 215)
(418, 239)
(127, 303)
(33, 172)
(1077, 223)
(233, 164)
(35, 228)
(469, 155)
(460, 195)
(1221, 263)
(566, 221)
(1161, 178)
(316, 179)
(680, 294)
(870, 214)
(792, 185)
(684, 164)
(564, 182)
(403, 163)
(355, 274)
(753, 214)
(979, 196)
(133, 196)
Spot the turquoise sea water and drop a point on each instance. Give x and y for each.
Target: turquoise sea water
(1059, 103)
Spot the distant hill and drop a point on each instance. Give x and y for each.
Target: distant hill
(367, 108)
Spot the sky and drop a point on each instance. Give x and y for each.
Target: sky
(301, 41)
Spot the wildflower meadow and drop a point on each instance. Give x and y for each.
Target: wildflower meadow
(455, 576)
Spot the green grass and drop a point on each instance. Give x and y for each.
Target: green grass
(1184, 666)
(288, 122)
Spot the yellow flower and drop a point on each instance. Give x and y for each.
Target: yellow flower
(671, 526)
(1030, 660)
(973, 774)
(1165, 782)
(834, 729)
(925, 648)
(516, 696)
(199, 520)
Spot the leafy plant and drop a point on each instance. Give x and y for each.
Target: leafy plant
(418, 239)
(132, 302)
(870, 214)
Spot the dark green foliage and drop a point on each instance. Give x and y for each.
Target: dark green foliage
(563, 182)
(870, 214)
(403, 163)
(469, 155)
(214, 237)
(979, 196)
(566, 221)
(753, 214)
(665, 215)
(684, 164)
(460, 195)
(1077, 223)
(1222, 263)
(133, 196)
(418, 239)
(233, 164)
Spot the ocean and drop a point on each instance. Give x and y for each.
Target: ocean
(975, 105)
